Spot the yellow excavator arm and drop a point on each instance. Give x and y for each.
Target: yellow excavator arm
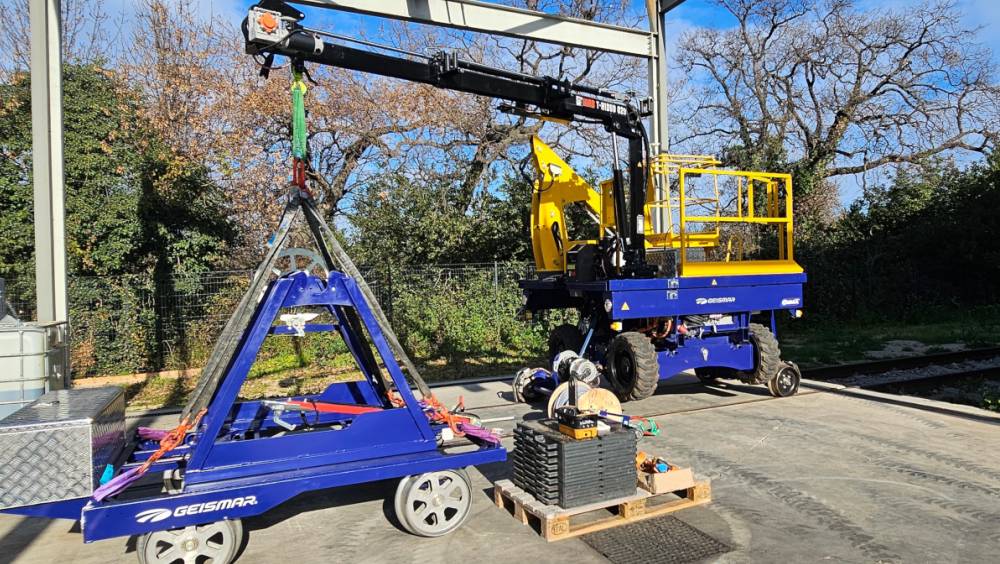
(557, 185)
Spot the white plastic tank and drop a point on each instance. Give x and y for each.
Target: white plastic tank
(34, 359)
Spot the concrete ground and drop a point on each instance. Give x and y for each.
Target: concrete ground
(832, 474)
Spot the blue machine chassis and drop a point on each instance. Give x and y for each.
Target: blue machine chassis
(240, 462)
(724, 344)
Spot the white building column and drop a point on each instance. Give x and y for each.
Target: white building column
(47, 160)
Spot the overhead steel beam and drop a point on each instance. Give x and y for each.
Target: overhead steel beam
(667, 5)
(47, 160)
(499, 19)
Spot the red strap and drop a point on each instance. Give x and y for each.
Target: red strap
(326, 407)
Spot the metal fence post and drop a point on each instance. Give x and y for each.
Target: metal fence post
(392, 319)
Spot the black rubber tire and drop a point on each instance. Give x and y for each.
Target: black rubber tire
(766, 353)
(565, 337)
(632, 366)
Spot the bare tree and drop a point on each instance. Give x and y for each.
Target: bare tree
(833, 90)
(87, 30)
(441, 136)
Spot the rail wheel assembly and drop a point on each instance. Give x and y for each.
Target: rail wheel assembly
(435, 503)
(786, 381)
(214, 543)
(632, 366)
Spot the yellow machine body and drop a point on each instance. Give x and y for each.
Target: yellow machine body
(556, 187)
(692, 207)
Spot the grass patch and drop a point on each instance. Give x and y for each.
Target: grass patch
(816, 343)
(286, 371)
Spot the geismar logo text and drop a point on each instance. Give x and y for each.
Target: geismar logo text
(723, 300)
(161, 513)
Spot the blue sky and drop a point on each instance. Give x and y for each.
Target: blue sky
(982, 14)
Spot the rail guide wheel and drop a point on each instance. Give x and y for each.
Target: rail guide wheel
(785, 382)
(213, 543)
(435, 503)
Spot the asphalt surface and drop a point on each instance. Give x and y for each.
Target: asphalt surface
(830, 475)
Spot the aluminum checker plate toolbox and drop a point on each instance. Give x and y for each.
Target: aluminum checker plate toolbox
(57, 447)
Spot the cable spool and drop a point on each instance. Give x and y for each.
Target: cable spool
(598, 400)
(560, 396)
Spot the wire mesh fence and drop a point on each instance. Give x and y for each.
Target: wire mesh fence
(450, 318)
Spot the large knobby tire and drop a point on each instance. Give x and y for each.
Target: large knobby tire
(766, 354)
(632, 366)
(566, 337)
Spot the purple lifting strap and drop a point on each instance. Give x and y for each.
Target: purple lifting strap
(116, 485)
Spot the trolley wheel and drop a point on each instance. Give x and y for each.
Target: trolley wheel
(214, 543)
(766, 353)
(523, 386)
(632, 366)
(435, 503)
(786, 382)
(565, 337)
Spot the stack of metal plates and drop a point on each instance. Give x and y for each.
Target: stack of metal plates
(559, 470)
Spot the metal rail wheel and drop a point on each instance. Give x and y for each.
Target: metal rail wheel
(785, 382)
(435, 503)
(214, 543)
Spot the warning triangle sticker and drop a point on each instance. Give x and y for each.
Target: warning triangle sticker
(625, 306)
(715, 282)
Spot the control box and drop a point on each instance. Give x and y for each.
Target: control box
(266, 26)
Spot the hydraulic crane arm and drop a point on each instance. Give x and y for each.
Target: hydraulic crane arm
(274, 27)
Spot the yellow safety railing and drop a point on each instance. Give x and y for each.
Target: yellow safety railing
(777, 211)
(684, 219)
(667, 167)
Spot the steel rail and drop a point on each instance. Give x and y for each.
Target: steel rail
(822, 374)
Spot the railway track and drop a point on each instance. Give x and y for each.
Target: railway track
(855, 371)
(865, 375)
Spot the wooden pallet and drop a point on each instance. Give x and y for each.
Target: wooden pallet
(555, 523)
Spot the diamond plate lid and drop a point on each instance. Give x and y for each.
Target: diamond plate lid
(62, 406)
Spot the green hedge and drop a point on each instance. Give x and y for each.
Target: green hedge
(451, 319)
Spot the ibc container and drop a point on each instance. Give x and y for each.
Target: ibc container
(34, 359)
